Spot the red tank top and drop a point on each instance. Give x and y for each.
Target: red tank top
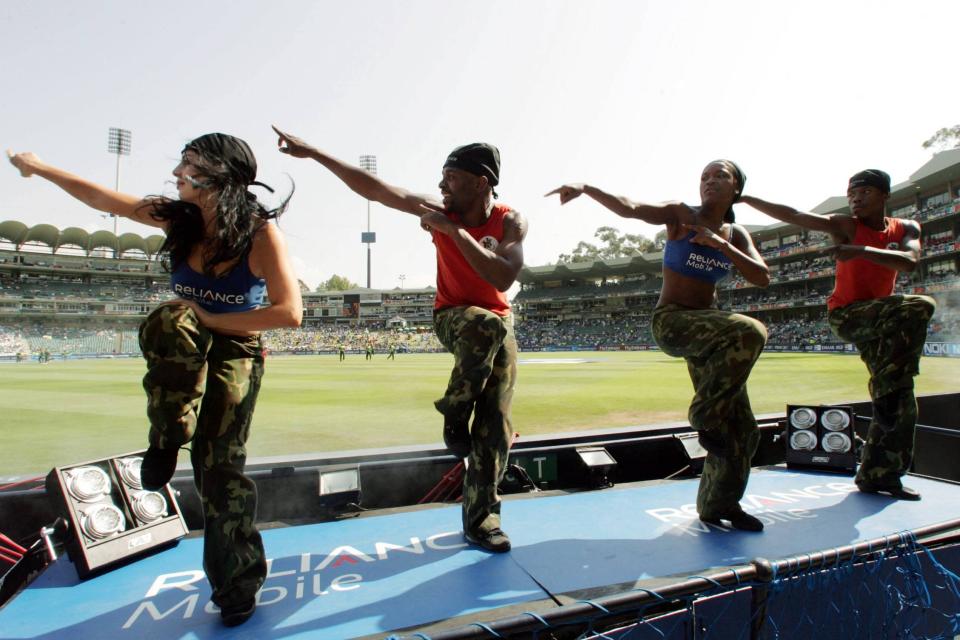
(861, 279)
(458, 284)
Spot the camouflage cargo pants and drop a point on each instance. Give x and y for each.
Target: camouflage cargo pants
(720, 349)
(889, 333)
(481, 383)
(201, 388)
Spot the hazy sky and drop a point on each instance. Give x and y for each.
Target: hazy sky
(635, 97)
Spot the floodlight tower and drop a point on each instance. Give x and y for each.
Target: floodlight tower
(369, 164)
(118, 143)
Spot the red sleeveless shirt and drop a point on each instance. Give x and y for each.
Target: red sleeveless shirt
(859, 278)
(458, 284)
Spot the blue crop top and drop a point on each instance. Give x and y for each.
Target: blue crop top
(238, 290)
(696, 260)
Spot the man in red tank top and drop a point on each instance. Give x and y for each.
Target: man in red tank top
(479, 255)
(888, 330)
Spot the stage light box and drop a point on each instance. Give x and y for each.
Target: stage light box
(821, 437)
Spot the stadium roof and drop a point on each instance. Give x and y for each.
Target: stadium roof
(370, 292)
(941, 168)
(648, 262)
(18, 234)
(833, 204)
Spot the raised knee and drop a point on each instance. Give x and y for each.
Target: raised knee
(753, 332)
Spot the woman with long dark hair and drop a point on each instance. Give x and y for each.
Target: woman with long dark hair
(704, 245)
(203, 350)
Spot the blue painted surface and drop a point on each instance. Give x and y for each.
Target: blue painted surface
(373, 575)
(629, 534)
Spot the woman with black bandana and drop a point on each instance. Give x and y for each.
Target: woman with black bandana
(203, 350)
(720, 347)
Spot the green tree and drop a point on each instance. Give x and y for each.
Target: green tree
(943, 138)
(337, 283)
(613, 244)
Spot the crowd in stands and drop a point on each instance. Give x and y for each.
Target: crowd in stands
(596, 334)
(326, 339)
(599, 290)
(63, 341)
(74, 289)
(582, 334)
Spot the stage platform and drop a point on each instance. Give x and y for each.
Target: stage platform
(372, 576)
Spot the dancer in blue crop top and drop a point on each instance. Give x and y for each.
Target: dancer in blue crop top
(703, 245)
(203, 350)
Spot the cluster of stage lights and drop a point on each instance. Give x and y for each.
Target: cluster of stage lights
(110, 517)
(100, 518)
(834, 422)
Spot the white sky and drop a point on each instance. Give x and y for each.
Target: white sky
(635, 97)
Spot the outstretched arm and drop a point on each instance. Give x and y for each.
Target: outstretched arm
(361, 182)
(905, 259)
(666, 213)
(837, 225)
(91, 194)
(500, 267)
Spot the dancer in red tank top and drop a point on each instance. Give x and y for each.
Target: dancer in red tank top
(479, 255)
(888, 330)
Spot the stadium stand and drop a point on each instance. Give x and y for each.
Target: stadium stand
(75, 293)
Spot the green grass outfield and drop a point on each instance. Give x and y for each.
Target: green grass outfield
(66, 412)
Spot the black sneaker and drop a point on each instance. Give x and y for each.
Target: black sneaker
(237, 614)
(897, 491)
(738, 519)
(157, 468)
(494, 540)
(456, 436)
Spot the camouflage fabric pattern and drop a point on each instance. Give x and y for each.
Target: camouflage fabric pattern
(202, 389)
(485, 368)
(889, 333)
(720, 349)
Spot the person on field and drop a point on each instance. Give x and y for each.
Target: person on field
(720, 348)
(479, 248)
(203, 350)
(888, 330)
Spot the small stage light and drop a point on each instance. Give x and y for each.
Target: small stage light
(836, 443)
(835, 419)
(803, 441)
(599, 465)
(339, 487)
(110, 518)
(821, 437)
(693, 451)
(803, 418)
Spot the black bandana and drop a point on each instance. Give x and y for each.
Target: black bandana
(870, 178)
(234, 153)
(479, 158)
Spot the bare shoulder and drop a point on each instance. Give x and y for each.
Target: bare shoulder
(739, 231)
(268, 246)
(912, 227)
(739, 236)
(515, 223)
